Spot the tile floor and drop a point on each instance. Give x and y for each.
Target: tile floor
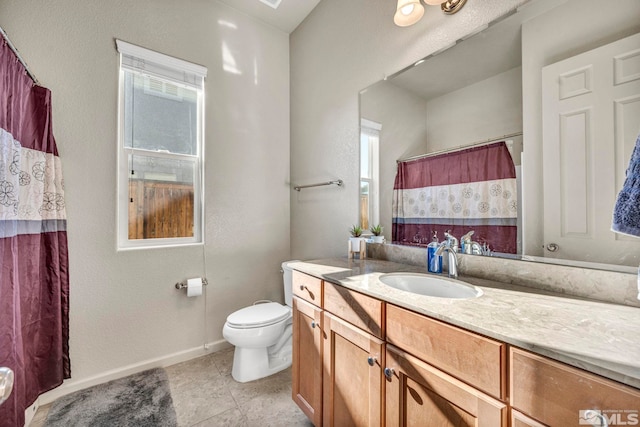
(204, 394)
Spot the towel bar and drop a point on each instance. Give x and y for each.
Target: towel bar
(338, 182)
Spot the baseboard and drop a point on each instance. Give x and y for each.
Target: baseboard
(70, 386)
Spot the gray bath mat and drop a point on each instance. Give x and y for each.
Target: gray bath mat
(140, 400)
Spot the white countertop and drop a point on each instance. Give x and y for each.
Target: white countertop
(599, 337)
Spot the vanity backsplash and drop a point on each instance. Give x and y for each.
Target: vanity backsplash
(605, 286)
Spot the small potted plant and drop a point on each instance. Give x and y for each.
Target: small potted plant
(377, 234)
(356, 236)
(355, 231)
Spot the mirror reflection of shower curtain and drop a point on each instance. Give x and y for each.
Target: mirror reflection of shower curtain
(34, 281)
(470, 189)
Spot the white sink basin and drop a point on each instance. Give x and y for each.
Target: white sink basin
(432, 286)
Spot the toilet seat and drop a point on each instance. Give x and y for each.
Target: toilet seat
(258, 315)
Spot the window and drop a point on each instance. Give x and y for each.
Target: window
(160, 149)
(369, 181)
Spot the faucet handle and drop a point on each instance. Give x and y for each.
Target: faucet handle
(453, 242)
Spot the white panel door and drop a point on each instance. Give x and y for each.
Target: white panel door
(591, 119)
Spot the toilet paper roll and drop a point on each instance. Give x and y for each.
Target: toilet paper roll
(194, 287)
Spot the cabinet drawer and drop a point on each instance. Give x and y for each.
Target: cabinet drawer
(358, 309)
(521, 420)
(555, 394)
(418, 394)
(308, 288)
(477, 360)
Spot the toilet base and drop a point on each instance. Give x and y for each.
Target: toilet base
(250, 364)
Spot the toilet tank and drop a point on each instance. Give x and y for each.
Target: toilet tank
(287, 277)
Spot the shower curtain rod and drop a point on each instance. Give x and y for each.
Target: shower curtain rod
(461, 147)
(24, 64)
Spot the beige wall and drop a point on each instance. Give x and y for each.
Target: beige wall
(125, 311)
(340, 49)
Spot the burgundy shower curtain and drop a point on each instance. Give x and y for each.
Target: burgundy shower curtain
(471, 189)
(34, 281)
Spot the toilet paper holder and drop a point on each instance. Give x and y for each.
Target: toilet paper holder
(183, 284)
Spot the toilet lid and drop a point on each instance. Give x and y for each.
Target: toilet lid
(259, 315)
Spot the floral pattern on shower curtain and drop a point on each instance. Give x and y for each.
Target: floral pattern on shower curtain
(471, 189)
(34, 280)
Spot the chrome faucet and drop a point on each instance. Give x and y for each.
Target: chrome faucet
(469, 246)
(452, 263)
(453, 242)
(476, 249)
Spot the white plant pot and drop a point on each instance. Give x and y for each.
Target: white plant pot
(377, 239)
(355, 243)
(357, 247)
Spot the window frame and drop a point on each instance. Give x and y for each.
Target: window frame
(168, 69)
(372, 130)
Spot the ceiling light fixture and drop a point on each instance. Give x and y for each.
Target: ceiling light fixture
(408, 12)
(452, 6)
(273, 3)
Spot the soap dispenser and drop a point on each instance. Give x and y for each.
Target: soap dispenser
(434, 262)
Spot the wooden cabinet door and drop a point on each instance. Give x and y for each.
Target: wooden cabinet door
(417, 394)
(352, 380)
(307, 359)
(520, 420)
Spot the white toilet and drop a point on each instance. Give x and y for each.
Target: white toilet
(262, 335)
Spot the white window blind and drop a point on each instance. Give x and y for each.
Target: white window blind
(139, 59)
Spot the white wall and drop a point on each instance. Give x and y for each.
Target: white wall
(403, 116)
(340, 49)
(483, 110)
(574, 27)
(125, 311)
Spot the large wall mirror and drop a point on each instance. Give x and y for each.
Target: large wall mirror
(532, 78)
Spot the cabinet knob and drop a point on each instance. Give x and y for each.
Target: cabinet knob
(302, 287)
(371, 360)
(313, 324)
(388, 372)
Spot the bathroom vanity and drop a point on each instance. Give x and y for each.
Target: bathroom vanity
(367, 354)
